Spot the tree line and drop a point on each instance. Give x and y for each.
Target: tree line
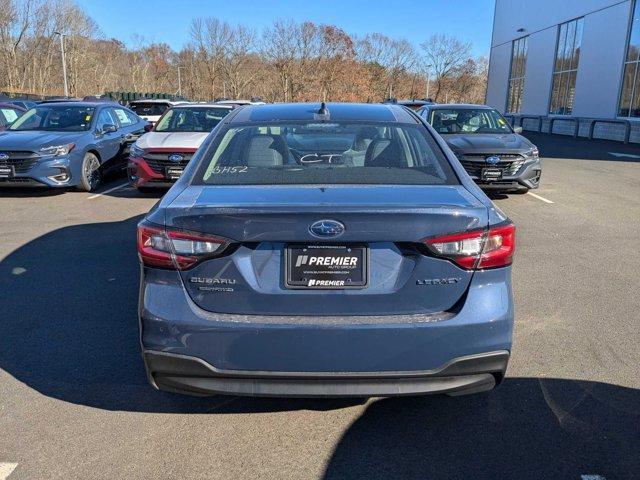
(287, 61)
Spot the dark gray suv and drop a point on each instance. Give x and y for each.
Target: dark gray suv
(495, 155)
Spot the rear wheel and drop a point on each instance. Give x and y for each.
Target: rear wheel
(91, 176)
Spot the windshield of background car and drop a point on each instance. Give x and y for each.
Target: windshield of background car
(467, 120)
(149, 109)
(56, 118)
(200, 119)
(324, 153)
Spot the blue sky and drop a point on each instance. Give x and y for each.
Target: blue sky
(168, 21)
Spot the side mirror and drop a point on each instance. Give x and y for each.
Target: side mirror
(148, 127)
(108, 128)
(517, 129)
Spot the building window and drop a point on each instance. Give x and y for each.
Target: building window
(630, 95)
(516, 74)
(566, 67)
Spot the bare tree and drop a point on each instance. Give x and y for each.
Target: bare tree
(288, 61)
(239, 49)
(445, 54)
(210, 37)
(279, 48)
(390, 59)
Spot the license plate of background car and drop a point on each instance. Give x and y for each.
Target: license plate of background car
(6, 171)
(335, 267)
(174, 172)
(490, 174)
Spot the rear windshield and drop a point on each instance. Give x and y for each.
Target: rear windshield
(324, 153)
(149, 109)
(191, 119)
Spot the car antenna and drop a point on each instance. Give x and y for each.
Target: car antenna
(322, 113)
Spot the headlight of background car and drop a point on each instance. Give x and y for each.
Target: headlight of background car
(136, 151)
(57, 150)
(533, 153)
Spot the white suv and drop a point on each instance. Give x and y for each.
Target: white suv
(159, 157)
(151, 109)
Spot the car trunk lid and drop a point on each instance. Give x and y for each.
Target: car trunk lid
(386, 223)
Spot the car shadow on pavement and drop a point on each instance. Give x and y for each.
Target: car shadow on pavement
(525, 429)
(568, 147)
(69, 330)
(24, 192)
(69, 326)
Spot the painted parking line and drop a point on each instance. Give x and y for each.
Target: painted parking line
(545, 200)
(623, 155)
(108, 191)
(7, 469)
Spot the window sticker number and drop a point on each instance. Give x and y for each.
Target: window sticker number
(122, 116)
(10, 115)
(222, 170)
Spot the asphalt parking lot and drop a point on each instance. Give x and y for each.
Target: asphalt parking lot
(74, 401)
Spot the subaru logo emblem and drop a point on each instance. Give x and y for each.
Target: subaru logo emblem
(326, 228)
(176, 157)
(3, 157)
(493, 160)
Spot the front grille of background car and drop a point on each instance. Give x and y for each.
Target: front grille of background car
(21, 161)
(509, 164)
(159, 161)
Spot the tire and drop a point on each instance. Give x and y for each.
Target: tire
(91, 175)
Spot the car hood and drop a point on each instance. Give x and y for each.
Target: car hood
(172, 140)
(488, 143)
(35, 140)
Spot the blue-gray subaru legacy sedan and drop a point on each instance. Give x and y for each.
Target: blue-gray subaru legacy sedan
(67, 144)
(325, 250)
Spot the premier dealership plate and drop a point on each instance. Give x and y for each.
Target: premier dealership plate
(326, 266)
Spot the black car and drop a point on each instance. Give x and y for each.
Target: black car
(412, 104)
(493, 153)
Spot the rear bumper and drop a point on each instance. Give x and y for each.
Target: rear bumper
(193, 376)
(309, 355)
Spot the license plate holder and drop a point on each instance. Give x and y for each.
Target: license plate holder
(491, 174)
(7, 171)
(173, 173)
(326, 267)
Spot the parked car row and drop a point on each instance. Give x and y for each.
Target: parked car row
(300, 240)
(90, 138)
(69, 143)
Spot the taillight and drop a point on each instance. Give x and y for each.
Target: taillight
(499, 247)
(174, 249)
(477, 249)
